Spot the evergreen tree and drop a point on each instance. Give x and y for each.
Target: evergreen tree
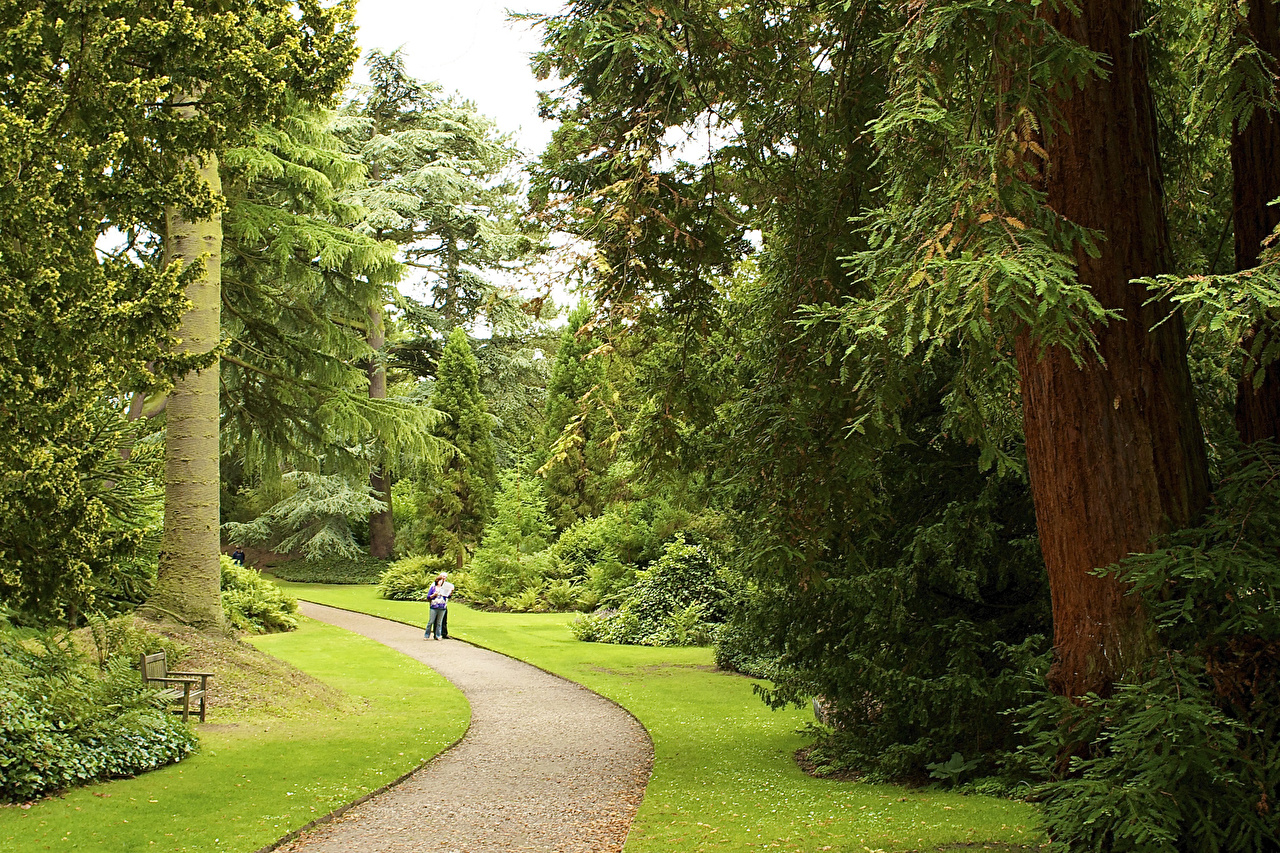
(579, 431)
(111, 115)
(437, 189)
(296, 282)
(296, 289)
(520, 528)
(455, 504)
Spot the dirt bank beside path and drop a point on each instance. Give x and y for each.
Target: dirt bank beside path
(547, 765)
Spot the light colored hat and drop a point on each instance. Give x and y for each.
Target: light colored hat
(442, 575)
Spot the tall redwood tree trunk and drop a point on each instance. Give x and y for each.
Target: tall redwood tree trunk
(382, 531)
(1115, 450)
(1255, 168)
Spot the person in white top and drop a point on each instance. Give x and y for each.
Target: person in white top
(438, 595)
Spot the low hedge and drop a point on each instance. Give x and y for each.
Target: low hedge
(341, 570)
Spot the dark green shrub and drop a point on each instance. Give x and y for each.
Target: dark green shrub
(343, 570)
(410, 578)
(64, 722)
(674, 602)
(252, 603)
(1185, 753)
(738, 649)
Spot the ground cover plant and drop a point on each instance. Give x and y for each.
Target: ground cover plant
(272, 769)
(724, 775)
(63, 722)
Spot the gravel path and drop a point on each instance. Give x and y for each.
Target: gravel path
(546, 766)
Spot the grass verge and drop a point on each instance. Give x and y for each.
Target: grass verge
(724, 777)
(265, 773)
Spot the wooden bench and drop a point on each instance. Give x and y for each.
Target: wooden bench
(181, 688)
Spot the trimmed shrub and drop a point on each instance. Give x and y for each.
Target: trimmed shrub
(253, 604)
(342, 570)
(410, 578)
(64, 722)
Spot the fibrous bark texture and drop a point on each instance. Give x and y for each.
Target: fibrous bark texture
(188, 587)
(1114, 449)
(382, 532)
(1255, 167)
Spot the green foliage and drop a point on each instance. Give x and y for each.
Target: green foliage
(440, 187)
(316, 518)
(603, 553)
(297, 283)
(738, 645)
(124, 638)
(65, 723)
(920, 638)
(1184, 755)
(360, 569)
(92, 155)
(253, 604)
(410, 578)
(514, 373)
(512, 556)
(580, 430)
(455, 502)
(962, 253)
(672, 603)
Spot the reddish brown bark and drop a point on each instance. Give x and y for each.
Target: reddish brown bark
(382, 531)
(1255, 169)
(1115, 451)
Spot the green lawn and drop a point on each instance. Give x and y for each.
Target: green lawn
(257, 778)
(724, 778)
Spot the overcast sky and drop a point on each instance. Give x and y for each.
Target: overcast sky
(468, 46)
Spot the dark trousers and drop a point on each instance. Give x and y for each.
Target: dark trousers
(444, 625)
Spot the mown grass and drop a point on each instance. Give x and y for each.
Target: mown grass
(724, 775)
(260, 776)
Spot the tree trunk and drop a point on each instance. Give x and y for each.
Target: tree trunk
(382, 531)
(1115, 451)
(188, 587)
(1255, 168)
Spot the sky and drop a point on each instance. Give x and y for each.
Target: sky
(467, 46)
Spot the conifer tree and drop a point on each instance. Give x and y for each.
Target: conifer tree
(578, 430)
(114, 117)
(1255, 147)
(455, 504)
(435, 188)
(520, 529)
(296, 289)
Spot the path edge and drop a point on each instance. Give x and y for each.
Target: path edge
(616, 704)
(364, 798)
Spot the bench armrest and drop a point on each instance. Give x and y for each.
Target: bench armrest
(192, 674)
(179, 681)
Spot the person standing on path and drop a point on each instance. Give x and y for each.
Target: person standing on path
(438, 596)
(447, 588)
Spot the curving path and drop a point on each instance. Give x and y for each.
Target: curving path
(546, 766)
